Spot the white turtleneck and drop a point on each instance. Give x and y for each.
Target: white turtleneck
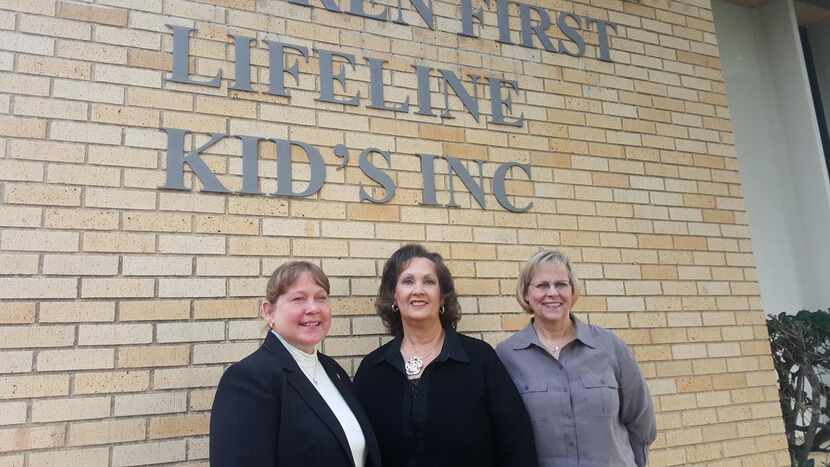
(317, 376)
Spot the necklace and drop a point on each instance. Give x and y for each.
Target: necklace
(550, 346)
(414, 365)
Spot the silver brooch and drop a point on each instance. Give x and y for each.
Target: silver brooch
(413, 365)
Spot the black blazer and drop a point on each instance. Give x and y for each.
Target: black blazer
(464, 412)
(267, 413)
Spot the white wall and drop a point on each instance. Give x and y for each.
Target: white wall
(782, 169)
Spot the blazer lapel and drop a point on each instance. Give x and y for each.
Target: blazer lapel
(295, 378)
(344, 386)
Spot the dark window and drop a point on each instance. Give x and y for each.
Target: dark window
(817, 102)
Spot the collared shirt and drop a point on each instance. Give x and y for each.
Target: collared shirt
(589, 408)
(463, 412)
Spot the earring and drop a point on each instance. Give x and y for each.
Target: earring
(442, 309)
(395, 308)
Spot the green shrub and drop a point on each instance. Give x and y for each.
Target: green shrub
(801, 354)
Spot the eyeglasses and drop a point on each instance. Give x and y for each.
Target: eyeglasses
(544, 286)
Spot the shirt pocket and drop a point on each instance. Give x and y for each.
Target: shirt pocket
(544, 402)
(601, 394)
(536, 398)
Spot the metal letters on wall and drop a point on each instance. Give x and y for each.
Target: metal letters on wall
(534, 22)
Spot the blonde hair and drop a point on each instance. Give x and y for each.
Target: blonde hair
(529, 269)
(287, 274)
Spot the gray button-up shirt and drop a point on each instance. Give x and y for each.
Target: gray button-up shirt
(590, 408)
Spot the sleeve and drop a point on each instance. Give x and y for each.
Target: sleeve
(513, 433)
(244, 421)
(636, 408)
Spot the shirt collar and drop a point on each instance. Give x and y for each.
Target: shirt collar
(451, 349)
(527, 336)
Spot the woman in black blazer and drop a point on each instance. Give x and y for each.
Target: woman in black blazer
(438, 398)
(286, 405)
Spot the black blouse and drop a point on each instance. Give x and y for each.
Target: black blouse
(463, 411)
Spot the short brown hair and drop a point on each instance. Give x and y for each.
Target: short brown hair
(389, 280)
(287, 274)
(529, 269)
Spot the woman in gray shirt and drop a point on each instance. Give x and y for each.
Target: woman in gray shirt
(588, 403)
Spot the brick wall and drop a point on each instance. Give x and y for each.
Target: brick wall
(121, 303)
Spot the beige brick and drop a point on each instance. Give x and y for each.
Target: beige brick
(39, 240)
(223, 352)
(20, 216)
(157, 265)
(349, 267)
(156, 222)
(36, 336)
(227, 267)
(190, 332)
(191, 202)
(119, 242)
(114, 334)
(319, 248)
(18, 264)
(27, 43)
(172, 288)
(89, 91)
(87, 219)
(342, 346)
(93, 456)
(92, 13)
(257, 246)
(16, 361)
(50, 108)
(153, 310)
(226, 225)
(90, 51)
(226, 308)
(110, 382)
(24, 438)
(50, 66)
(160, 99)
(121, 115)
(55, 410)
(191, 244)
(18, 84)
(17, 312)
(85, 132)
(12, 413)
(34, 288)
(75, 359)
(27, 193)
(187, 377)
(106, 432)
(12, 461)
(153, 356)
(175, 426)
(290, 227)
(126, 75)
(149, 453)
(25, 387)
(100, 176)
(80, 265)
(73, 312)
(117, 288)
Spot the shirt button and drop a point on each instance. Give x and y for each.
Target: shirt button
(526, 387)
(602, 381)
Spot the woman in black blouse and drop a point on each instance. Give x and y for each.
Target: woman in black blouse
(437, 398)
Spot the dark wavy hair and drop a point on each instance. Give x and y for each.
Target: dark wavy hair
(389, 280)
